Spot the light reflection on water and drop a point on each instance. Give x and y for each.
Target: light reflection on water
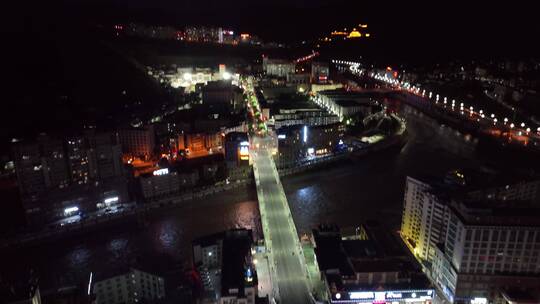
(372, 187)
(168, 235)
(369, 188)
(80, 257)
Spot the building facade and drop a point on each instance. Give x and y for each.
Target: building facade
(472, 249)
(60, 177)
(160, 183)
(368, 266)
(343, 103)
(224, 261)
(320, 72)
(221, 96)
(278, 67)
(130, 287)
(138, 142)
(300, 143)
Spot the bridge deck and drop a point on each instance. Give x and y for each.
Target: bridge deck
(288, 266)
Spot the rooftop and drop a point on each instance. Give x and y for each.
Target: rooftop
(208, 240)
(236, 252)
(369, 249)
(473, 179)
(498, 213)
(218, 85)
(236, 136)
(21, 290)
(344, 94)
(521, 296)
(122, 270)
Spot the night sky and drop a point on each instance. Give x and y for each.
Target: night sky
(498, 27)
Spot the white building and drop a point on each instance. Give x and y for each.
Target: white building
(160, 183)
(129, 286)
(423, 219)
(343, 103)
(473, 249)
(278, 67)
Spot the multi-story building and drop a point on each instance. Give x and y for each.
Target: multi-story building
(422, 225)
(236, 148)
(472, 245)
(320, 72)
(368, 265)
(29, 169)
(302, 116)
(291, 145)
(225, 263)
(301, 80)
(138, 142)
(299, 143)
(54, 162)
(59, 178)
(237, 155)
(79, 158)
(203, 34)
(317, 87)
(522, 191)
(155, 32)
(343, 103)
(323, 140)
(106, 159)
(221, 96)
(201, 144)
(128, 286)
(278, 67)
(159, 183)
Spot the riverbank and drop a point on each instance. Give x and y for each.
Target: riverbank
(496, 141)
(347, 193)
(135, 215)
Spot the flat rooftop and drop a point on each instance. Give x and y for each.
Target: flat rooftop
(473, 179)
(236, 248)
(372, 249)
(498, 213)
(346, 103)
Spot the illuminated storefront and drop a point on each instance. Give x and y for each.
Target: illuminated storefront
(244, 150)
(391, 297)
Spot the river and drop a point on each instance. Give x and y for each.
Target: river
(368, 188)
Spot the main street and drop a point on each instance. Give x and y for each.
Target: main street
(288, 266)
(287, 262)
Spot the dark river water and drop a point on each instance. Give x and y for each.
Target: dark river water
(368, 188)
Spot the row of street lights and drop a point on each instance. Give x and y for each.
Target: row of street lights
(430, 95)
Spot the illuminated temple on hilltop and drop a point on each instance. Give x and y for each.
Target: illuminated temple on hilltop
(355, 33)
